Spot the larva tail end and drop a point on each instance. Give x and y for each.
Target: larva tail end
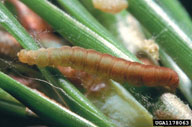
(22, 56)
(175, 85)
(174, 82)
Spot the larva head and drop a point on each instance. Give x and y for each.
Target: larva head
(22, 56)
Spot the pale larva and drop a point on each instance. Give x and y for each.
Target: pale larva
(110, 6)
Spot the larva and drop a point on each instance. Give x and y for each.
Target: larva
(103, 65)
(110, 6)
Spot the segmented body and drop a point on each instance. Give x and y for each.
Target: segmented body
(103, 65)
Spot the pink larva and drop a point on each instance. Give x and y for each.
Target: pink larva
(103, 65)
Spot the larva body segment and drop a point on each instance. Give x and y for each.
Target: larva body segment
(94, 58)
(103, 65)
